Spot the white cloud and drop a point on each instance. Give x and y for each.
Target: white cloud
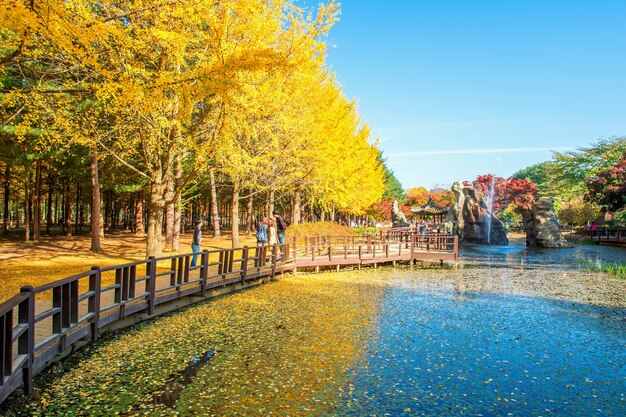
(478, 151)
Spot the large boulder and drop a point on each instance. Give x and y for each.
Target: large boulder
(542, 226)
(471, 219)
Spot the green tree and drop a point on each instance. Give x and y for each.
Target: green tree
(393, 187)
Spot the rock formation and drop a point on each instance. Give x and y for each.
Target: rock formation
(542, 226)
(471, 219)
(397, 217)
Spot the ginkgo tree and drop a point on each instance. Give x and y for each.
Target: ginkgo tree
(167, 91)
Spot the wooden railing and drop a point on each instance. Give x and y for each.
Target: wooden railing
(327, 250)
(607, 234)
(40, 323)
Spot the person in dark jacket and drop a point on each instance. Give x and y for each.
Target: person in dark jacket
(196, 241)
(281, 227)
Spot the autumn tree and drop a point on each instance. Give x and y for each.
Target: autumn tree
(520, 194)
(417, 196)
(608, 187)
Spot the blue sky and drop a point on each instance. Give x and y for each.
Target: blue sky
(459, 88)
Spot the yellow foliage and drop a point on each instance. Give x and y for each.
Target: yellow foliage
(300, 231)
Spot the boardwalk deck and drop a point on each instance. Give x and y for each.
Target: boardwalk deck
(41, 323)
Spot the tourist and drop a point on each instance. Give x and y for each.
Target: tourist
(261, 233)
(594, 227)
(272, 234)
(195, 242)
(281, 227)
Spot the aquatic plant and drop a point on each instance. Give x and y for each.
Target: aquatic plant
(600, 265)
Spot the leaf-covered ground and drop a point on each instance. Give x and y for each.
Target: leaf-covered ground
(281, 349)
(299, 346)
(54, 258)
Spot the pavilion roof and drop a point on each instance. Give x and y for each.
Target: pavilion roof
(430, 208)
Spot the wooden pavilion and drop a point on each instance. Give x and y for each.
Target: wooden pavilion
(431, 212)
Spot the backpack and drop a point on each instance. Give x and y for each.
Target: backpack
(261, 233)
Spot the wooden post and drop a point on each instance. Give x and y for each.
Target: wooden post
(330, 254)
(220, 266)
(187, 262)
(26, 342)
(173, 272)
(204, 271)
(180, 269)
(274, 257)
(244, 264)
(132, 281)
(94, 301)
(151, 268)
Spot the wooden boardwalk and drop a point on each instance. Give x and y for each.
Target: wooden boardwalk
(39, 324)
(328, 251)
(607, 235)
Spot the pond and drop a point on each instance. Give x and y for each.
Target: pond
(455, 353)
(518, 255)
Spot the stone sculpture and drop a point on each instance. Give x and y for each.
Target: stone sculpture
(542, 226)
(397, 217)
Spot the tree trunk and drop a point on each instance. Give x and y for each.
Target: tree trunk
(235, 214)
(155, 218)
(177, 224)
(96, 208)
(170, 213)
(297, 208)
(139, 226)
(68, 209)
(322, 215)
(7, 190)
(215, 214)
(249, 216)
(79, 191)
(37, 205)
(333, 215)
(270, 202)
(27, 209)
(49, 219)
(177, 206)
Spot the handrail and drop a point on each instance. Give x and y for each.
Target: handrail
(83, 304)
(607, 234)
(405, 245)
